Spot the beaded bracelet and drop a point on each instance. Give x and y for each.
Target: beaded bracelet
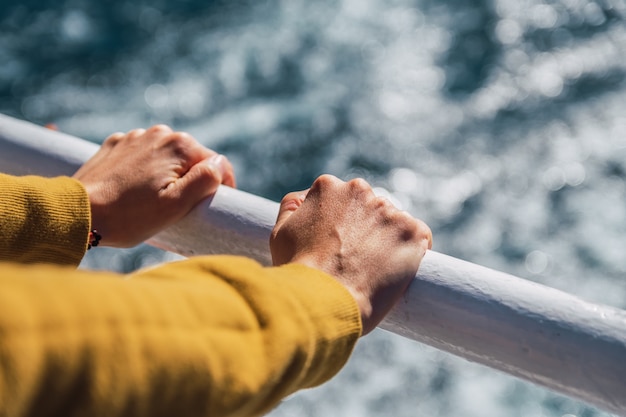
(94, 239)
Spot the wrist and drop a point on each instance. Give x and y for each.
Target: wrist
(362, 300)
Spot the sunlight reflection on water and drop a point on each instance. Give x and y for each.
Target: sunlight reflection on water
(500, 123)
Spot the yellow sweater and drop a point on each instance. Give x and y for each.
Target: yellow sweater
(209, 336)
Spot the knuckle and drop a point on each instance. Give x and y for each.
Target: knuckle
(160, 128)
(359, 184)
(135, 133)
(113, 139)
(422, 232)
(180, 136)
(385, 204)
(179, 140)
(412, 228)
(324, 182)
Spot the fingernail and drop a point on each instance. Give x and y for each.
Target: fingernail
(216, 163)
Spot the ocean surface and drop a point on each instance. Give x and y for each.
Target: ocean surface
(501, 123)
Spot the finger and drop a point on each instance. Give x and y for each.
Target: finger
(113, 139)
(385, 203)
(325, 181)
(228, 173)
(135, 133)
(203, 179)
(419, 231)
(360, 189)
(288, 205)
(428, 234)
(160, 130)
(221, 169)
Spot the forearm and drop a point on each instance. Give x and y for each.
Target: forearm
(43, 220)
(217, 336)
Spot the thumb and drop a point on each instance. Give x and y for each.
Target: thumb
(288, 205)
(204, 177)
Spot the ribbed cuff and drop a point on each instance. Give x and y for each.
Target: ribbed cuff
(43, 220)
(335, 313)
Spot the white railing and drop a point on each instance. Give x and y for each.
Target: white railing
(507, 323)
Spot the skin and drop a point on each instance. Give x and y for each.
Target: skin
(366, 243)
(142, 181)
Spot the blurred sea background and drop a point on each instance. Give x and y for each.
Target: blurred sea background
(501, 123)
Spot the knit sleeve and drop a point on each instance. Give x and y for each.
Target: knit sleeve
(209, 336)
(43, 220)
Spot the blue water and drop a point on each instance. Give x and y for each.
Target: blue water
(500, 123)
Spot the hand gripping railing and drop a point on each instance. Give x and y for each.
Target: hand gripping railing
(507, 323)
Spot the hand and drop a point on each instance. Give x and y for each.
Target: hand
(366, 243)
(145, 180)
